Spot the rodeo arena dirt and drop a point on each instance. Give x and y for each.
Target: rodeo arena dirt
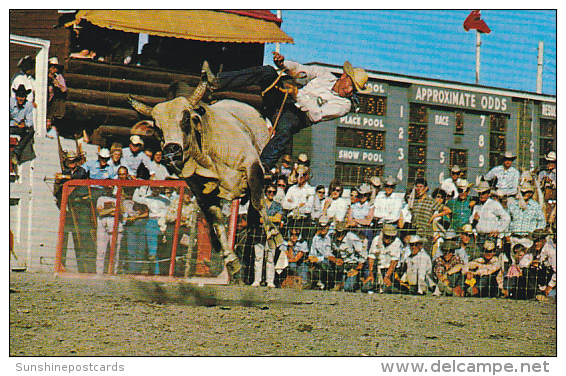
(155, 212)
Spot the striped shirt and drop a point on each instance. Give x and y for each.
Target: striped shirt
(525, 221)
(421, 212)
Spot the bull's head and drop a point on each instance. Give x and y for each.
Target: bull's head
(179, 121)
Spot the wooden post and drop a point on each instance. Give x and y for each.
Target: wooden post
(478, 44)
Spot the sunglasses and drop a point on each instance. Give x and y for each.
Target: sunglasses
(271, 191)
(281, 185)
(320, 192)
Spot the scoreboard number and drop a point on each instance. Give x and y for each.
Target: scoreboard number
(481, 160)
(401, 155)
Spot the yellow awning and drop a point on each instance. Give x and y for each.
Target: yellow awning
(203, 25)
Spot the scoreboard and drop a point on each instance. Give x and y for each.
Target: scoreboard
(415, 127)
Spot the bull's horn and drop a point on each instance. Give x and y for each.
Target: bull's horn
(198, 93)
(140, 107)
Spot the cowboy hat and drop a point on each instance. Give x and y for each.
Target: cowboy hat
(375, 180)
(26, 63)
(464, 184)
(456, 168)
(340, 226)
(390, 181)
(136, 140)
(364, 189)
(55, 62)
(389, 230)
(527, 187)
(415, 239)
(71, 155)
(509, 155)
(104, 153)
(358, 76)
(551, 157)
(489, 246)
(21, 91)
(482, 187)
(467, 229)
(303, 158)
(323, 221)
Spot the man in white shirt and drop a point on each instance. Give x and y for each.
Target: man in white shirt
(299, 199)
(490, 218)
(322, 97)
(419, 267)
(387, 207)
(386, 249)
(507, 175)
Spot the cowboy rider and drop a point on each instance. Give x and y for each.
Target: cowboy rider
(322, 97)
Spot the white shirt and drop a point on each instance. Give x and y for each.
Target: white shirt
(338, 209)
(385, 254)
(133, 161)
(321, 247)
(351, 249)
(387, 208)
(316, 98)
(160, 171)
(450, 188)
(419, 268)
(493, 217)
(157, 205)
(299, 195)
(507, 180)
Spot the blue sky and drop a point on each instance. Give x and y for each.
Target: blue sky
(427, 43)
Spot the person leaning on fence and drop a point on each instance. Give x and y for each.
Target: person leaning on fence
(321, 96)
(320, 254)
(417, 278)
(295, 248)
(481, 273)
(264, 249)
(351, 255)
(544, 263)
(447, 270)
(383, 258)
(467, 249)
(360, 214)
(515, 280)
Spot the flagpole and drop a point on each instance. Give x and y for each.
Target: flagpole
(478, 44)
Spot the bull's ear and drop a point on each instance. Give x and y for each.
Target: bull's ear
(186, 121)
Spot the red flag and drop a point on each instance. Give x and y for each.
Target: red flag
(474, 21)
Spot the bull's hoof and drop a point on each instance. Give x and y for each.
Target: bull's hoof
(233, 267)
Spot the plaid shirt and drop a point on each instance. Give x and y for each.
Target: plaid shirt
(441, 266)
(507, 180)
(421, 212)
(526, 220)
(461, 212)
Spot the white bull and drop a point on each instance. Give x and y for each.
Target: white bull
(216, 149)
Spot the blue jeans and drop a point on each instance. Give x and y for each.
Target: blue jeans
(291, 121)
(143, 232)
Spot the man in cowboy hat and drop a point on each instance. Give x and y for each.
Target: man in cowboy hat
(460, 206)
(100, 169)
(450, 185)
(322, 96)
(531, 217)
(25, 77)
(507, 175)
(299, 199)
(385, 252)
(419, 267)
(21, 120)
(57, 91)
(547, 177)
(133, 157)
(387, 205)
(489, 217)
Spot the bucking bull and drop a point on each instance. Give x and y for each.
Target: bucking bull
(215, 149)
